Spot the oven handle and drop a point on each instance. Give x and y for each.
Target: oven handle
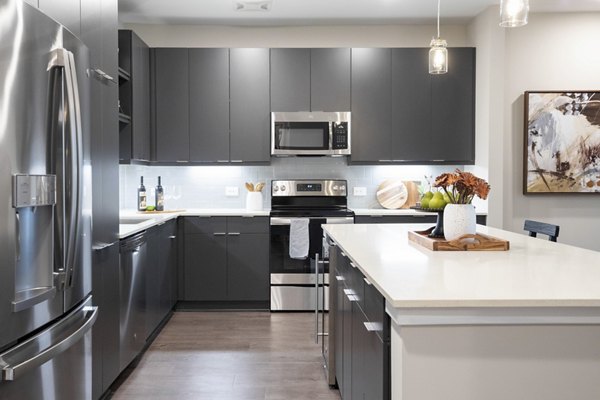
(277, 221)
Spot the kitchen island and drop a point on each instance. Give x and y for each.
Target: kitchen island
(520, 324)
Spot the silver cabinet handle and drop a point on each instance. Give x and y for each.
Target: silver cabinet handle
(102, 246)
(172, 237)
(367, 281)
(344, 254)
(219, 234)
(237, 161)
(103, 75)
(222, 161)
(72, 328)
(182, 161)
(353, 265)
(352, 297)
(234, 233)
(373, 326)
(384, 160)
(339, 278)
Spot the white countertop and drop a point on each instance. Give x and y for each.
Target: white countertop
(533, 273)
(149, 220)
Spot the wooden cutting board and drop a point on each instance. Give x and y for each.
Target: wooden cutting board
(396, 193)
(477, 242)
(159, 212)
(392, 194)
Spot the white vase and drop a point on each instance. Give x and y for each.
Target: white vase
(254, 201)
(459, 219)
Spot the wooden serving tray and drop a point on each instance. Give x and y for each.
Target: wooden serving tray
(159, 212)
(477, 242)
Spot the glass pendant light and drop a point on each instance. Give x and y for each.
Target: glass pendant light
(438, 54)
(513, 13)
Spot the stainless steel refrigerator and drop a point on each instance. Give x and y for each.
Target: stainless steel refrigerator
(45, 209)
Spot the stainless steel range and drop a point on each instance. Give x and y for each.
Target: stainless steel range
(295, 282)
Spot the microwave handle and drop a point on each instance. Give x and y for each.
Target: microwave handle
(330, 135)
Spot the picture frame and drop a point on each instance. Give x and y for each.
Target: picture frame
(561, 152)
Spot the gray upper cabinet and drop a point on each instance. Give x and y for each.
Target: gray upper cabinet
(330, 79)
(209, 104)
(290, 79)
(453, 109)
(171, 104)
(66, 12)
(371, 105)
(249, 106)
(310, 79)
(140, 99)
(411, 104)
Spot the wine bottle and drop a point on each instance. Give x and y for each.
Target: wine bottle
(159, 197)
(141, 196)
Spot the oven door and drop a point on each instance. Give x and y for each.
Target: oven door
(294, 281)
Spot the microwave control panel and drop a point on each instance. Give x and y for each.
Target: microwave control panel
(340, 135)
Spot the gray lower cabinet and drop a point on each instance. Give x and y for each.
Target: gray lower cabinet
(362, 334)
(160, 273)
(170, 106)
(209, 105)
(249, 106)
(371, 105)
(226, 259)
(105, 338)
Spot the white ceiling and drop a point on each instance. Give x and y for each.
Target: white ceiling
(319, 12)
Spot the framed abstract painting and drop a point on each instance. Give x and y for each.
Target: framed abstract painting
(562, 142)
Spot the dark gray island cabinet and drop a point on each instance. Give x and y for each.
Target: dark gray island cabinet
(226, 261)
(362, 332)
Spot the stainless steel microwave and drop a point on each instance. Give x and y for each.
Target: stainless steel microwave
(310, 133)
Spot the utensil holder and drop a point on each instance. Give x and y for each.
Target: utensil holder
(254, 201)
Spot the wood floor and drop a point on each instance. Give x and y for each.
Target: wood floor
(233, 356)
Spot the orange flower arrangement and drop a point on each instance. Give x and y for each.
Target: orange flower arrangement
(461, 187)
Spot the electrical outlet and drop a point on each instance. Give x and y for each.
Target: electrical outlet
(232, 191)
(360, 191)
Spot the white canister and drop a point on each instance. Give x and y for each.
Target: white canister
(459, 219)
(254, 201)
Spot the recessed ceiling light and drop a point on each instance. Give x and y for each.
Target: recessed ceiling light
(253, 5)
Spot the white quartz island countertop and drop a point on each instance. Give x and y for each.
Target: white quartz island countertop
(533, 273)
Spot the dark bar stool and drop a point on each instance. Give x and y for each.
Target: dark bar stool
(535, 227)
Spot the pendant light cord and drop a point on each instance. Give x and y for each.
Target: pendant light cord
(438, 20)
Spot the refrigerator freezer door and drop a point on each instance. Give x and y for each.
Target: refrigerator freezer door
(30, 104)
(56, 363)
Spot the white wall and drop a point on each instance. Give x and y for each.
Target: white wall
(296, 36)
(553, 52)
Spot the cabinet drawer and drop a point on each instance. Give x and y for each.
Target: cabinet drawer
(374, 308)
(356, 283)
(209, 225)
(248, 224)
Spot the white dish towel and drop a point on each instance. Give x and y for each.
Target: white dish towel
(299, 238)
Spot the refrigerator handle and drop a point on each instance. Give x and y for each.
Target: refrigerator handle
(27, 356)
(72, 165)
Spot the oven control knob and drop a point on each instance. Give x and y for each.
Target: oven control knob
(283, 188)
(335, 188)
(276, 188)
(342, 188)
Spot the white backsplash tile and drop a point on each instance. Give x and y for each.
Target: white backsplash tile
(204, 186)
